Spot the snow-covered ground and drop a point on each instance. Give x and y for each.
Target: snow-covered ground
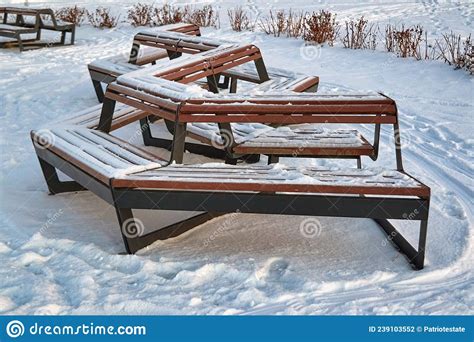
(60, 254)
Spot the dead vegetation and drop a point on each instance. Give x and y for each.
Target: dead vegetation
(203, 17)
(75, 15)
(168, 14)
(101, 18)
(456, 51)
(359, 34)
(404, 42)
(239, 20)
(140, 14)
(321, 27)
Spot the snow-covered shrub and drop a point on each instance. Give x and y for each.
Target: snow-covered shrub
(321, 27)
(202, 17)
(168, 14)
(75, 15)
(456, 51)
(239, 20)
(101, 18)
(274, 24)
(359, 34)
(140, 14)
(295, 24)
(405, 42)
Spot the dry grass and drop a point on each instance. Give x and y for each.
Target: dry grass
(295, 24)
(167, 14)
(140, 14)
(321, 27)
(74, 14)
(405, 42)
(456, 51)
(102, 18)
(202, 17)
(274, 24)
(360, 35)
(239, 20)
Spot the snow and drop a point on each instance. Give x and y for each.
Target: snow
(60, 254)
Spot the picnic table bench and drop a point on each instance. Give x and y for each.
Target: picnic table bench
(32, 21)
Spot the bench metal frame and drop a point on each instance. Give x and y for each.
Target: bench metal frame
(378, 208)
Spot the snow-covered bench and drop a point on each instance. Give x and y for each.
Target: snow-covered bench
(129, 178)
(32, 21)
(106, 70)
(207, 117)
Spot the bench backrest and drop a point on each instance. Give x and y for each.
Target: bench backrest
(177, 41)
(193, 104)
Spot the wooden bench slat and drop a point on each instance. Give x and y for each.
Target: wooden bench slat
(276, 179)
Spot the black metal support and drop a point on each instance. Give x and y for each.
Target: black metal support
(261, 70)
(416, 257)
(106, 115)
(273, 159)
(55, 186)
(398, 146)
(98, 90)
(134, 239)
(179, 142)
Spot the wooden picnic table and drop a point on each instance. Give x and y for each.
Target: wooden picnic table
(31, 21)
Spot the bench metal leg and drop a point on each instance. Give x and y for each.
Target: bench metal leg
(204, 150)
(106, 115)
(416, 257)
(98, 90)
(73, 35)
(272, 159)
(133, 235)
(179, 143)
(55, 186)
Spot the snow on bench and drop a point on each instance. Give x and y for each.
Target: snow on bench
(275, 178)
(100, 154)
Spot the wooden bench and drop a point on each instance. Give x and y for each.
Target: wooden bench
(186, 106)
(106, 70)
(32, 21)
(129, 178)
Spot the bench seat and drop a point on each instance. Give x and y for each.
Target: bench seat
(90, 117)
(99, 154)
(108, 158)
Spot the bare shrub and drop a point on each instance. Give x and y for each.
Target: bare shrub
(295, 24)
(140, 14)
(360, 35)
(75, 15)
(202, 17)
(239, 20)
(275, 24)
(456, 51)
(102, 18)
(167, 14)
(405, 42)
(321, 27)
